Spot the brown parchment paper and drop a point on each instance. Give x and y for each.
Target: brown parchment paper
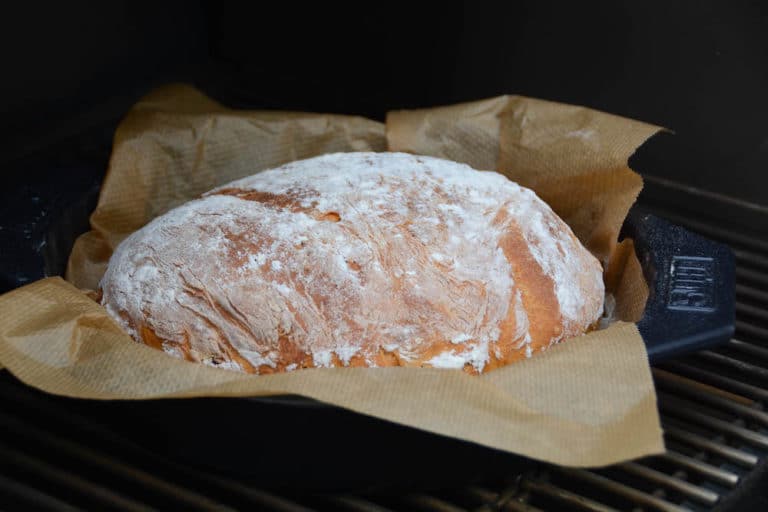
(586, 402)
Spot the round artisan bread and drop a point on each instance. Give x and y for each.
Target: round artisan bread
(356, 259)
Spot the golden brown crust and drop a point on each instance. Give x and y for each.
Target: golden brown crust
(356, 259)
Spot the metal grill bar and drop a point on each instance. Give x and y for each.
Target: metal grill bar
(695, 388)
(97, 493)
(712, 396)
(751, 257)
(744, 327)
(356, 504)
(493, 501)
(753, 311)
(565, 497)
(718, 380)
(518, 506)
(751, 292)
(748, 348)
(30, 496)
(99, 436)
(752, 276)
(692, 491)
(107, 464)
(713, 473)
(736, 364)
(482, 494)
(619, 489)
(431, 503)
(728, 453)
(252, 494)
(679, 408)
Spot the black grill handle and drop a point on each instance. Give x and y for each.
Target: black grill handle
(691, 282)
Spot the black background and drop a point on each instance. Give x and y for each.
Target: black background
(699, 68)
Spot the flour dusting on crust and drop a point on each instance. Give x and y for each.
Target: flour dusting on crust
(354, 259)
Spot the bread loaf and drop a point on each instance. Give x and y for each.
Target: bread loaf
(356, 259)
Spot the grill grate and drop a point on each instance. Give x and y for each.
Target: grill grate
(712, 406)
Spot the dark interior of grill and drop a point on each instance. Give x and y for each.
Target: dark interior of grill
(697, 68)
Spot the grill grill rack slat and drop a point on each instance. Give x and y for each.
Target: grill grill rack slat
(620, 489)
(713, 397)
(733, 363)
(183, 496)
(711, 472)
(700, 390)
(29, 496)
(566, 497)
(729, 453)
(751, 292)
(507, 501)
(357, 504)
(711, 409)
(657, 477)
(753, 276)
(60, 476)
(752, 330)
(212, 483)
(716, 379)
(432, 503)
(748, 348)
(682, 408)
